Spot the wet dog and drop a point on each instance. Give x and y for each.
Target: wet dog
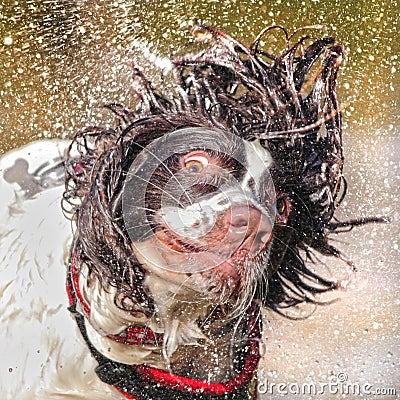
(191, 214)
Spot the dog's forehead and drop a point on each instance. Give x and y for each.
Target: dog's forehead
(197, 137)
(258, 160)
(184, 140)
(250, 155)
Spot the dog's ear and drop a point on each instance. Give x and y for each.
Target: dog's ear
(97, 163)
(82, 161)
(93, 173)
(287, 100)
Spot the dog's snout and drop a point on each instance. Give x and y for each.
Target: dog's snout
(247, 217)
(239, 221)
(250, 226)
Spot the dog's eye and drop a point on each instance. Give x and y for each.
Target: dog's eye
(281, 206)
(282, 209)
(195, 163)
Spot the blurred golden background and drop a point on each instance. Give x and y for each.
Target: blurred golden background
(61, 60)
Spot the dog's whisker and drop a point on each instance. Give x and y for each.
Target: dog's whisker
(167, 168)
(159, 188)
(135, 206)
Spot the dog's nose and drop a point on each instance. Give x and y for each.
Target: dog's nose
(248, 227)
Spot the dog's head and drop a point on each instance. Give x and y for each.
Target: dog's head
(199, 206)
(212, 192)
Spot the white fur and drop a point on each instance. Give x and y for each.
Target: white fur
(259, 161)
(42, 353)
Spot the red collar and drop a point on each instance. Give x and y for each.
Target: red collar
(190, 385)
(141, 336)
(132, 336)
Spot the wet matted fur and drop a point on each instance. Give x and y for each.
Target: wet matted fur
(254, 95)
